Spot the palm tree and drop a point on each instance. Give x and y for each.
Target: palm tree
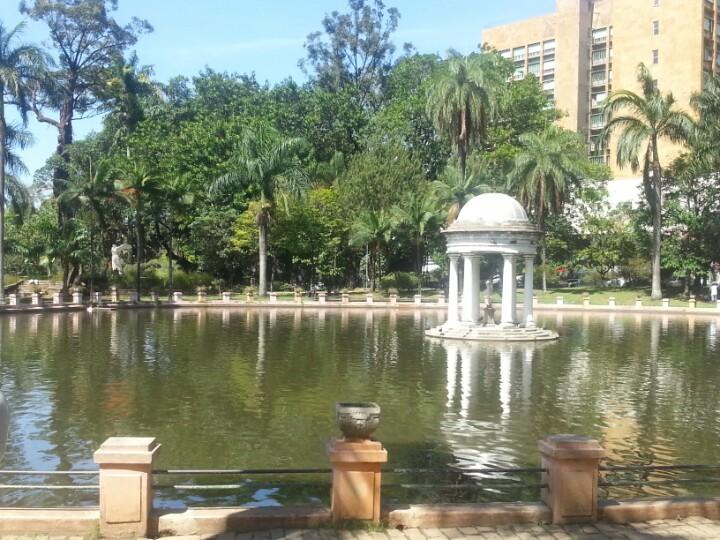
(455, 190)
(17, 63)
(268, 164)
(93, 189)
(138, 182)
(373, 230)
(646, 118)
(460, 99)
(548, 166)
(417, 213)
(14, 192)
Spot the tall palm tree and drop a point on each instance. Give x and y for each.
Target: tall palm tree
(93, 190)
(138, 182)
(15, 193)
(267, 164)
(460, 99)
(17, 62)
(645, 120)
(372, 229)
(417, 214)
(547, 167)
(454, 190)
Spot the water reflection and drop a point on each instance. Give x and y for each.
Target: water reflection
(242, 383)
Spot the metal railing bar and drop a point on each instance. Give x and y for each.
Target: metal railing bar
(50, 488)
(230, 472)
(465, 486)
(620, 468)
(51, 473)
(218, 487)
(659, 482)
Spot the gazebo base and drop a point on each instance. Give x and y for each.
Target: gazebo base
(476, 332)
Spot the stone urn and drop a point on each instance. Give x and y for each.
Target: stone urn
(357, 421)
(4, 424)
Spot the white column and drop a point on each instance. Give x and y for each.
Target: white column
(471, 289)
(508, 291)
(467, 290)
(528, 318)
(453, 281)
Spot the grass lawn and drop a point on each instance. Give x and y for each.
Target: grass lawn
(623, 296)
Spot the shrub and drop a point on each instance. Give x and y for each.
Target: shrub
(403, 281)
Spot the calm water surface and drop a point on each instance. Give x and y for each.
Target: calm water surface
(224, 388)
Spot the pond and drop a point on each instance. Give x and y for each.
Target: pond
(237, 388)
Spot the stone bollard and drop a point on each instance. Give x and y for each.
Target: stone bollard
(273, 297)
(201, 296)
(611, 301)
(417, 299)
(322, 297)
(692, 302)
(441, 301)
(97, 298)
(177, 296)
(134, 297)
(586, 301)
(249, 298)
(77, 297)
(356, 479)
(665, 303)
(126, 494)
(571, 463)
(36, 299)
(344, 298)
(369, 298)
(154, 297)
(114, 295)
(638, 302)
(535, 301)
(393, 299)
(226, 296)
(299, 297)
(559, 300)
(13, 299)
(58, 299)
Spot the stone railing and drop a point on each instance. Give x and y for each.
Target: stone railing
(571, 476)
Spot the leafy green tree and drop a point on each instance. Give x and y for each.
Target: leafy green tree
(547, 168)
(88, 42)
(18, 61)
(643, 120)
(461, 98)
(373, 229)
(136, 184)
(455, 190)
(267, 164)
(609, 244)
(356, 50)
(417, 215)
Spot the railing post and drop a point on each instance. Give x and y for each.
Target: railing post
(126, 496)
(571, 464)
(356, 479)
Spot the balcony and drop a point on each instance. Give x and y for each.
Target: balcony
(600, 61)
(549, 52)
(598, 82)
(599, 40)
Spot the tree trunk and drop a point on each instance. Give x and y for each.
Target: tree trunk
(543, 261)
(170, 266)
(656, 209)
(418, 264)
(139, 247)
(3, 142)
(262, 255)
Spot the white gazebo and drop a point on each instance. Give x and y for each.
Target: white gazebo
(492, 223)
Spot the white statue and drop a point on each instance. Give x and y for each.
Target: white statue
(117, 254)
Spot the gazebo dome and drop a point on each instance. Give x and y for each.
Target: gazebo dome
(492, 210)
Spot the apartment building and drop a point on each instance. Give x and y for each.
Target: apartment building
(588, 48)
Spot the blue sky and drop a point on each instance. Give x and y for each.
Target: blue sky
(266, 37)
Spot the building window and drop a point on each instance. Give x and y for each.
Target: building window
(549, 47)
(656, 28)
(519, 53)
(534, 68)
(707, 24)
(656, 56)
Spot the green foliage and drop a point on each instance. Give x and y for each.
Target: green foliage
(400, 281)
(609, 244)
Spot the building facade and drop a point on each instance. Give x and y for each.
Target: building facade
(588, 48)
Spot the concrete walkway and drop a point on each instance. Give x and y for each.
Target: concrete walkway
(681, 529)
(686, 529)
